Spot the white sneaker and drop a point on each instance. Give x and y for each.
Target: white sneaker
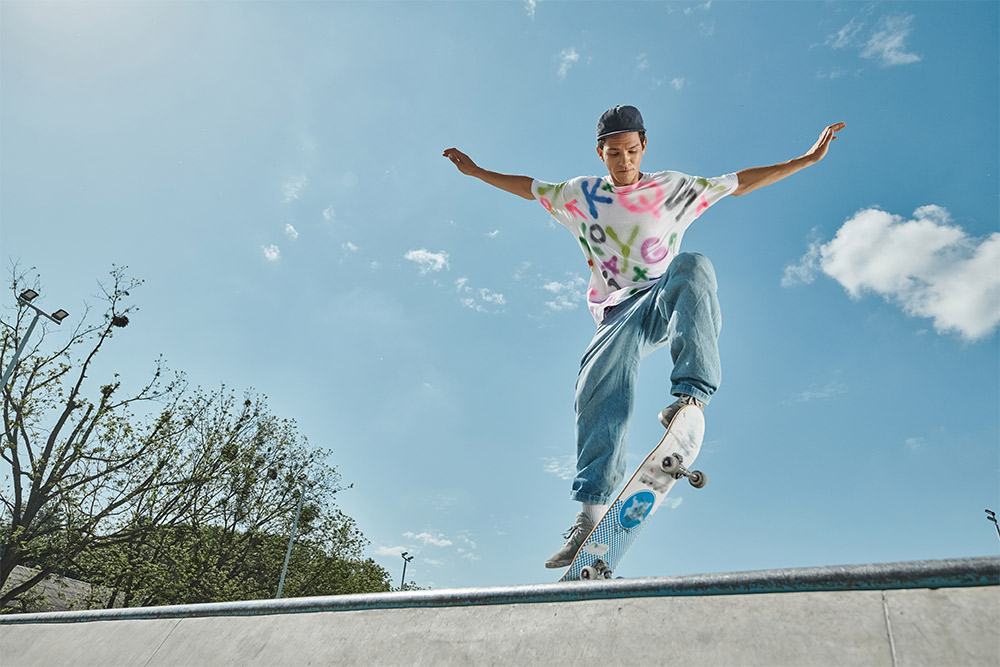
(667, 413)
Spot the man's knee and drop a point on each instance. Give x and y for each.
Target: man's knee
(695, 265)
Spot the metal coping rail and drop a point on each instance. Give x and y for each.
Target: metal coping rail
(949, 573)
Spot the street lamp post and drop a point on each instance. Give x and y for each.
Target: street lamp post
(25, 298)
(992, 516)
(291, 539)
(406, 559)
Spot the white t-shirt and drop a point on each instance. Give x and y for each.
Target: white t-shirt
(629, 234)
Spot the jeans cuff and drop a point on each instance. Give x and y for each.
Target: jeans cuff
(685, 388)
(583, 497)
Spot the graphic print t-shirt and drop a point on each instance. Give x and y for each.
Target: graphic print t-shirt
(629, 234)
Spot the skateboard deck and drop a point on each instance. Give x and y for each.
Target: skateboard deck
(630, 511)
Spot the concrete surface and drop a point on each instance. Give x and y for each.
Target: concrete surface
(910, 626)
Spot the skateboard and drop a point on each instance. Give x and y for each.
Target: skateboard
(629, 513)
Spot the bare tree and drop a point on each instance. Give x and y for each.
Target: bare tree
(75, 466)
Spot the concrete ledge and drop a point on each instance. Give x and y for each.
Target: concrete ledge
(951, 573)
(904, 624)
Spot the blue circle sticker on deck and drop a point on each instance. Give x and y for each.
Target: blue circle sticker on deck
(636, 508)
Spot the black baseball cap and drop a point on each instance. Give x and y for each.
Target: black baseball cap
(618, 120)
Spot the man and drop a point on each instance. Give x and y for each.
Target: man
(643, 293)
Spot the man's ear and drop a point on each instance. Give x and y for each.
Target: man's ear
(600, 153)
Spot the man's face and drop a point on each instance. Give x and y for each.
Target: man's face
(622, 155)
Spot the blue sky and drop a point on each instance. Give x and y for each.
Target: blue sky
(273, 171)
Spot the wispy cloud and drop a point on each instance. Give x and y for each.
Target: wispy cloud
(678, 83)
(845, 36)
(293, 187)
(822, 392)
(530, 6)
(272, 253)
(390, 551)
(888, 45)
(481, 300)
(885, 43)
(329, 213)
(566, 294)
(703, 7)
(428, 261)
(564, 467)
(673, 502)
(349, 247)
(290, 231)
(567, 58)
(926, 265)
(492, 235)
(833, 73)
(427, 539)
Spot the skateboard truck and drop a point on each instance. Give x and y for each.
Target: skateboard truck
(599, 570)
(673, 465)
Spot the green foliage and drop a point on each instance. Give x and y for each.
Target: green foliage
(192, 503)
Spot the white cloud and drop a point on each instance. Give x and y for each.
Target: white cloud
(915, 443)
(641, 63)
(427, 539)
(885, 44)
(349, 247)
(492, 235)
(427, 260)
(564, 468)
(845, 36)
(565, 295)
(272, 253)
(290, 231)
(481, 300)
(293, 186)
(390, 551)
(833, 74)
(926, 265)
(673, 502)
(530, 6)
(819, 392)
(888, 45)
(678, 83)
(805, 271)
(704, 7)
(567, 58)
(329, 213)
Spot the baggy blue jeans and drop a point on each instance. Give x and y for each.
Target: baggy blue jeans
(682, 311)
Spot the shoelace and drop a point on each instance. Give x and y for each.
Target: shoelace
(568, 535)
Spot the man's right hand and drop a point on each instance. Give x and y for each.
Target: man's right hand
(516, 185)
(462, 161)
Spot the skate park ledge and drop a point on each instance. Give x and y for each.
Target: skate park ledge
(913, 613)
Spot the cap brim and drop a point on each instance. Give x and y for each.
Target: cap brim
(611, 134)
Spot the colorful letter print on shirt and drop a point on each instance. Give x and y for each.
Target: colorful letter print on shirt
(629, 234)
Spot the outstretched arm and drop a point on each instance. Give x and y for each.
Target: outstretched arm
(517, 185)
(758, 177)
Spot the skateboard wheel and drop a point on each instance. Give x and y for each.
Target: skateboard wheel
(698, 479)
(670, 464)
(588, 572)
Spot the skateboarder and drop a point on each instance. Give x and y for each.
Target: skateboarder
(643, 293)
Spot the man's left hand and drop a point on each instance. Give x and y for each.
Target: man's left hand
(819, 149)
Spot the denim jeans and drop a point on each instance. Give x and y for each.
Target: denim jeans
(681, 311)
